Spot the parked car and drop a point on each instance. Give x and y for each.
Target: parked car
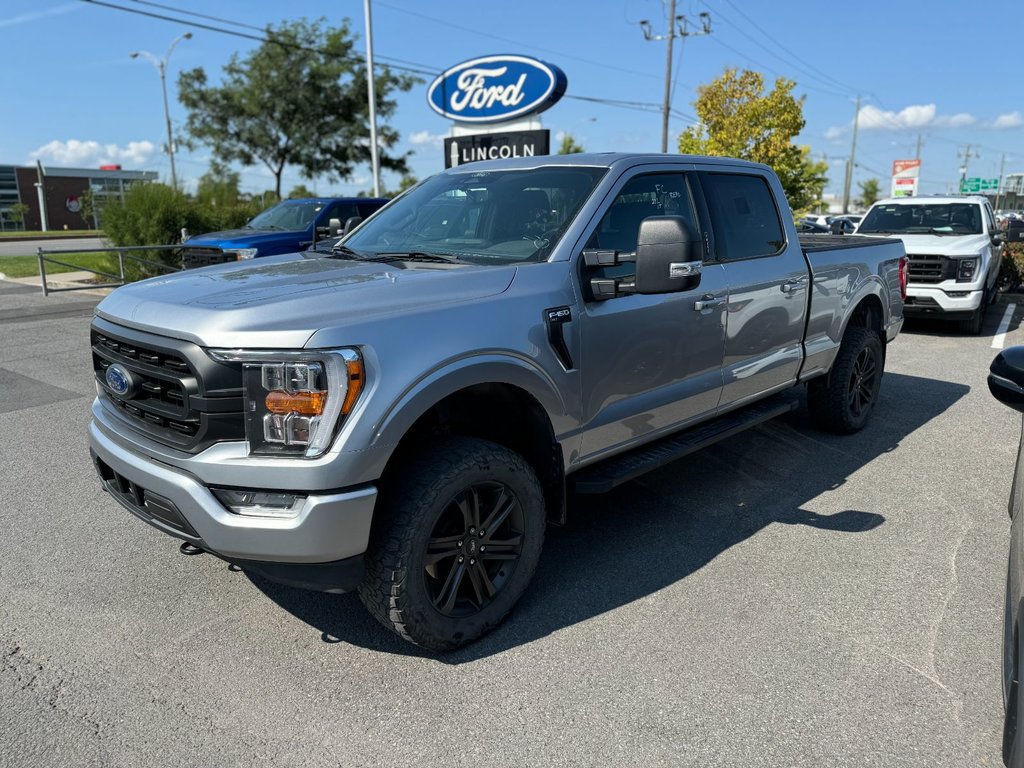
(404, 415)
(808, 227)
(1006, 383)
(955, 249)
(289, 226)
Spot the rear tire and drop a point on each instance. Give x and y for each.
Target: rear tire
(458, 537)
(843, 400)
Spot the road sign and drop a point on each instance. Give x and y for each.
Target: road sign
(974, 185)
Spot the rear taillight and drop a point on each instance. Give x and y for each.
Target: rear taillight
(904, 276)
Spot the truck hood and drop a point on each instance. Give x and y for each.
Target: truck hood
(281, 301)
(245, 238)
(945, 245)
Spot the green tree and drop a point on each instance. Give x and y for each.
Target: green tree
(738, 119)
(219, 187)
(870, 192)
(299, 99)
(300, 190)
(569, 145)
(16, 212)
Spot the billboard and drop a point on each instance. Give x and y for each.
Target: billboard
(905, 175)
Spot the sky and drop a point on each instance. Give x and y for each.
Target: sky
(938, 71)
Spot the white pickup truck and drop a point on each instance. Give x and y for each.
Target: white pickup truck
(955, 248)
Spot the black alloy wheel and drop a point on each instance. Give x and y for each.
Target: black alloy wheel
(473, 549)
(456, 537)
(843, 400)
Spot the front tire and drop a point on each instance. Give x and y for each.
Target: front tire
(843, 400)
(458, 539)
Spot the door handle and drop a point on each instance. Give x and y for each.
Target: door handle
(708, 301)
(793, 286)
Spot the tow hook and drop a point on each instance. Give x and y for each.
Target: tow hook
(190, 549)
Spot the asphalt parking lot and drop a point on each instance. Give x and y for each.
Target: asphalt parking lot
(785, 598)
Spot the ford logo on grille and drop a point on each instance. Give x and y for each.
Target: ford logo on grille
(120, 380)
(493, 89)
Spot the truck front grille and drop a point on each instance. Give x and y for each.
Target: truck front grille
(192, 257)
(931, 268)
(177, 395)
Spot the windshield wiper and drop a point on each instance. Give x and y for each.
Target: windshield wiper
(416, 256)
(345, 251)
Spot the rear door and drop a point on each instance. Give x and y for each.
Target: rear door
(649, 362)
(768, 282)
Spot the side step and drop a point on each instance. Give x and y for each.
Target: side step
(605, 475)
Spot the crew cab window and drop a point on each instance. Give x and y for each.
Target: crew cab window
(743, 214)
(654, 194)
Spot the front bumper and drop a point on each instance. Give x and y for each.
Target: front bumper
(930, 300)
(330, 526)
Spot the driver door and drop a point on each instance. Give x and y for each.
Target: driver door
(649, 363)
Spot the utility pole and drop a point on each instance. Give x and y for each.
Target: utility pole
(999, 189)
(967, 154)
(677, 27)
(917, 152)
(161, 67)
(374, 163)
(852, 161)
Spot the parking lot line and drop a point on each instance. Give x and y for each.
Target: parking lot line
(1000, 338)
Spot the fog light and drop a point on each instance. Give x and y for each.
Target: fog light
(260, 503)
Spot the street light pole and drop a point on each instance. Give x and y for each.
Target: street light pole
(372, 100)
(161, 67)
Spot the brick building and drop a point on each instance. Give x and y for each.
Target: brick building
(62, 193)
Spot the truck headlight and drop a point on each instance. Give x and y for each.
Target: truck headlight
(294, 401)
(240, 254)
(966, 270)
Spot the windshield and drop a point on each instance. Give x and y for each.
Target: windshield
(490, 217)
(924, 218)
(289, 215)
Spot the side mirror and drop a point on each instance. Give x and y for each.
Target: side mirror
(836, 228)
(668, 255)
(998, 238)
(1006, 378)
(334, 225)
(351, 223)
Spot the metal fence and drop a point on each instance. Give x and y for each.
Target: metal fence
(123, 254)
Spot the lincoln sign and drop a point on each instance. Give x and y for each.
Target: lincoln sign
(495, 146)
(496, 89)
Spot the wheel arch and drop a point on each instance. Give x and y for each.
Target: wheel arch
(504, 401)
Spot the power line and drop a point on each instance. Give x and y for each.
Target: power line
(775, 71)
(560, 53)
(824, 77)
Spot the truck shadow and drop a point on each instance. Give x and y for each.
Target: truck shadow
(653, 532)
(936, 326)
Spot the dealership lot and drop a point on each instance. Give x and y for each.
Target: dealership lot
(784, 598)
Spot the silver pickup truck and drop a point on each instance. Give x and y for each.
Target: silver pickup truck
(403, 415)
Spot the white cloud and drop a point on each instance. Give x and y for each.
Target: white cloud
(959, 120)
(90, 154)
(1010, 120)
(426, 137)
(914, 117)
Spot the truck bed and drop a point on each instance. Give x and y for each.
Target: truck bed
(818, 243)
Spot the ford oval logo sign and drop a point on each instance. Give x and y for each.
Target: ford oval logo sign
(493, 89)
(119, 380)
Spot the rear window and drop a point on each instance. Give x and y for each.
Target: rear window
(743, 214)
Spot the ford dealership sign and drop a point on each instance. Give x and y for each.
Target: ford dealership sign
(493, 89)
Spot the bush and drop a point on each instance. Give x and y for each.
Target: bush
(1011, 272)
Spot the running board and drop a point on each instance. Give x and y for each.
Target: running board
(605, 475)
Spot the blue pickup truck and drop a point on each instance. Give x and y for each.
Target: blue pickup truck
(289, 226)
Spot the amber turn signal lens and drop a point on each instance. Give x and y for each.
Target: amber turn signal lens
(304, 403)
(354, 370)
